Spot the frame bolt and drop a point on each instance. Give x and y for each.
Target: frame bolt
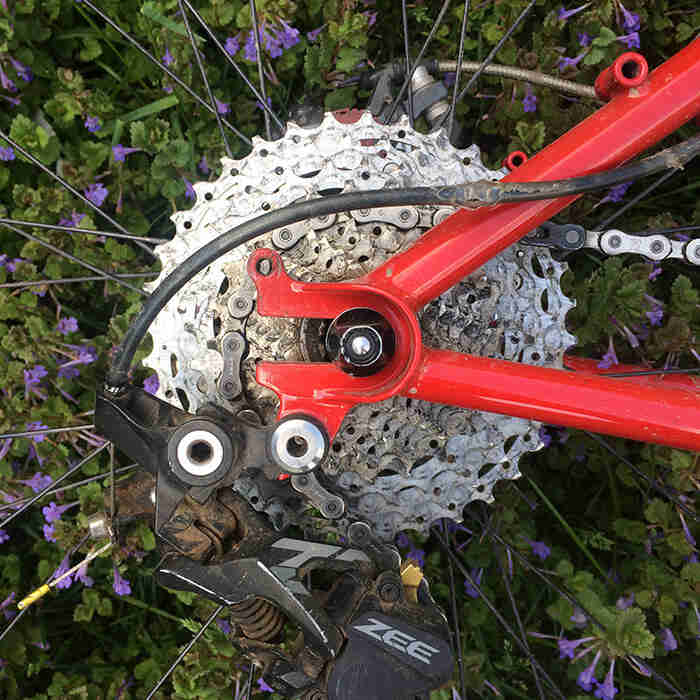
(389, 587)
(615, 241)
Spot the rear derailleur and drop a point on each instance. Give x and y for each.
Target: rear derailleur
(324, 621)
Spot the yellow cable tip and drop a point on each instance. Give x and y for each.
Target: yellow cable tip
(33, 597)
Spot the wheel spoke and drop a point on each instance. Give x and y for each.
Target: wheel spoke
(165, 69)
(19, 501)
(67, 186)
(419, 58)
(235, 66)
(76, 260)
(571, 598)
(605, 223)
(496, 49)
(404, 21)
(261, 73)
(48, 431)
(494, 611)
(652, 482)
(516, 613)
(203, 73)
(87, 231)
(249, 689)
(60, 479)
(458, 73)
(20, 614)
(74, 280)
(185, 651)
(455, 620)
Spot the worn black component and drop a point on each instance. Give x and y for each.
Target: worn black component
(565, 237)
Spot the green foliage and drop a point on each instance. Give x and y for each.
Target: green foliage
(599, 516)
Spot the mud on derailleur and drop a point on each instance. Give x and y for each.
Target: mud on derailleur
(367, 627)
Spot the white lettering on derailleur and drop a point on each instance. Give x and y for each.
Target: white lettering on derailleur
(398, 640)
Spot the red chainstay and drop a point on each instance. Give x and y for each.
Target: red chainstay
(664, 410)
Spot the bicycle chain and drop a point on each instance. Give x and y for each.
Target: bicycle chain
(397, 464)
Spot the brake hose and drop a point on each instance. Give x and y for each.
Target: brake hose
(470, 195)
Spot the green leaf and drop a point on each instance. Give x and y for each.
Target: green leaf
(349, 57)
(34, 139)
(632, 635)
(93, 154)
(659, 512)
(605, 38)
(150, 109)
(632, 530)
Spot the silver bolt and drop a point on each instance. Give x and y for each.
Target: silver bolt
(364, 212)
(615, 241)
(404, 215)
(657, 247)
(360, 345)
(572, 236)
(285, 234)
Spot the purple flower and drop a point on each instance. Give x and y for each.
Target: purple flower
(264, 686)
(120, 152)
(8, 601)
(250, 52)
(6, 83)
(222, 107)
(630, 20)
(313, 34)
(168, 59)
(38, 482)
(224, 626)
(37, 425)
(92, 124)
(67, 325)
(151, 384)
(121, 585)
(12, 100)
(4, 537)
(565, 62)
(610, 358)
(545, 437)
(402, 541)
(540, 549)
(565, 14)
(655, 316)
(7, 154)
(10, 264)
(53, 512)
(48, 533)
(616, 193)
(82, 576)
(271, 41)
(44, 646)
(203, 165)
(66, 371)
(371, 18)
(259, 104)
(65, 565)
(584, 39)
(73, 221)
(586, 679)
(469, 589)
(631, 337)
(655, 272)
(32, 378)
(697, 617)
(24, 72)
(529, 101)
(624, 602)
(96, 193)
(449, 79)
(189, 190)
(607, 690)
(567, 647)
(631, 40)
(418, 556)
(289, 36)
(688, 535)
(668, 640)
(233, 44)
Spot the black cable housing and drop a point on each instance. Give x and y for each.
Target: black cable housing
(470, 195)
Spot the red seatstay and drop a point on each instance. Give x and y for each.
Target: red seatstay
(664, 410)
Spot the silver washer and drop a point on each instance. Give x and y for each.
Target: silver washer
(298, 445)
(198, 467)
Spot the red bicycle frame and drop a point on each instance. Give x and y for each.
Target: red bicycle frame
(665, 409)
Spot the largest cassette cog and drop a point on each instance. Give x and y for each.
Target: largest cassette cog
(400, 463)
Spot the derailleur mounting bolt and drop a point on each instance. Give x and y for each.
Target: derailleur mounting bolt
(389, 587)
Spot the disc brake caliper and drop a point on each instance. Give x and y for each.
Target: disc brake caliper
(213, 543)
